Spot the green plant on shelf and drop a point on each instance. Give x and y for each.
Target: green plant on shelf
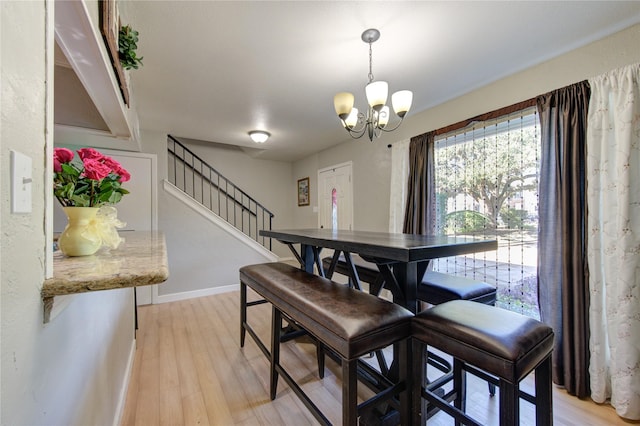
(127, 46)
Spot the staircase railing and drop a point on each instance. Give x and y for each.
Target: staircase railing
(208, 187)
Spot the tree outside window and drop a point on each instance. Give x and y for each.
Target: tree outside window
(486, 185)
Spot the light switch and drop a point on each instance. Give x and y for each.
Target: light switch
(21, 182)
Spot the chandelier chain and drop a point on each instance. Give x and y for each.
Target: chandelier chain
(370, 62)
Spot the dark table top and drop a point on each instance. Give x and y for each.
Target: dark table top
(384, 245)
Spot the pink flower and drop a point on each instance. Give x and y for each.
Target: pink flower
(111, 163)
(89, 153)
(95, 170)
(61, 156)
(124, 175)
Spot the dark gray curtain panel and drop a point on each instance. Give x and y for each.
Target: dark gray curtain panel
(563, 285)
(419, 216)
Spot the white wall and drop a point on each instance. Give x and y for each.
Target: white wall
(371, 161)
(203, 257)
(72, 370)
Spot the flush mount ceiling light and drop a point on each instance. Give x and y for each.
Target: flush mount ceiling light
(259, 136)
(377, 117)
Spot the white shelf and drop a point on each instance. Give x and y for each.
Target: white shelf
(81, 42)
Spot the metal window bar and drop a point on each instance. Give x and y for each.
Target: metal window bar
(196, 172)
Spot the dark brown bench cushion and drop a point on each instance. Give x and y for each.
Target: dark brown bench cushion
(351, 322)
(498, 341)
(436, 287)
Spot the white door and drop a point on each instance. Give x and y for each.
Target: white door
(335, 197)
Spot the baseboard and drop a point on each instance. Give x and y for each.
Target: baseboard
(122, 400)
(174, 297)
(196, 293)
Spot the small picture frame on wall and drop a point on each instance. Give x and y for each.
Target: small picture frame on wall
(303, 192)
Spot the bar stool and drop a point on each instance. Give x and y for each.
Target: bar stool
(497, 345)
(436, 288)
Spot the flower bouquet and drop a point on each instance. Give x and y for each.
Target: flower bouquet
(94, 183)
(87, 190)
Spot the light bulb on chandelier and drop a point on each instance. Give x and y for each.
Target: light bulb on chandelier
(377, 118)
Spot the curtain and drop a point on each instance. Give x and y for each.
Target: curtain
(399, 176)
(563, 293)
(613, 197)
(419, 217)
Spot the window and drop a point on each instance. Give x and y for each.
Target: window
(487, 186)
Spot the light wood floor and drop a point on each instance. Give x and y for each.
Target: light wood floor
(189, 369)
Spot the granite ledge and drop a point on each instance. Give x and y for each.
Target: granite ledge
(140, 260)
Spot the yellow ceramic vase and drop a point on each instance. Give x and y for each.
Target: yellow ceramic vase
(79, 237)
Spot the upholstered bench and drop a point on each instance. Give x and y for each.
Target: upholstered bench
(349, 322)
(485, 339)
(437, 288)
(434, 289)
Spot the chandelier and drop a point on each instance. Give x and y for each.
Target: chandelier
(377, 118)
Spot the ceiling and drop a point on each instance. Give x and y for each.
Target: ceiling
(215, 70)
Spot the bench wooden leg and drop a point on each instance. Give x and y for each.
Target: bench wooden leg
(418, 404)
(320, 357)
(460, 386)
(509, 404)
(349, 392)
(405, 374)
(276, 330)
(544, 394)
(243, 312)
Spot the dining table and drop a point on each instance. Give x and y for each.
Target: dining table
(401, 258)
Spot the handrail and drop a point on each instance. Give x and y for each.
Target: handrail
(214, 191)
(210, 182)
(215, 171)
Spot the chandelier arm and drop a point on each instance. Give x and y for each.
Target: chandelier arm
(385, 129)
(354, 129)
(357, 135)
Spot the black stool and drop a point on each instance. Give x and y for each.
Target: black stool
(485, 339)
(435, 288)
